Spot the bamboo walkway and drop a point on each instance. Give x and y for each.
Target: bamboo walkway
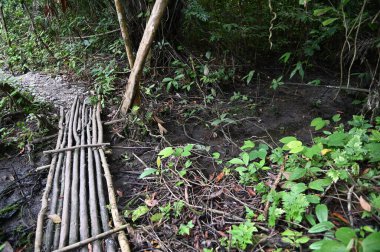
(79, 193)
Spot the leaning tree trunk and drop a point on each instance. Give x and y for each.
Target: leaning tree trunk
(146, 42)
(124, 32)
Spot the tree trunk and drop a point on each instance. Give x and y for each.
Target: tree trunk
(146, 42)
(124, 32)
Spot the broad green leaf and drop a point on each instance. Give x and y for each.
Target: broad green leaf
(288, 139)
(302, 240)
(245, 158)
(313, 150)
(331, 245)
(147, 172)
(320, 12)
(295, 146)
(336, 118)
(167, 79)
(322, 212)
(310, 219)
(299, 188)
(318, 123)
(168, 151)
(329, 21)
(317, 245)
(337, 139)
(373, 151)
(375, 136)
(285, 57)
(297, 174)
(248, 144)
(321, 227)
(320, 184)
(345, 234)
(140, 211)
(236, 161)
(312, 198)
(157, 217)
(371, 243)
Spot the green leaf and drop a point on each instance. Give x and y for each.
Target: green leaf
(245, 158)
(295, 146)
(336, 139)
(248, 145)
(345, 234)
(236, 161)
(312, 198)
(336, 118)
(297, 174)
(320, 184)
(373, 151)
(371, 243)
(288, 139)
(318, 123)
(167, 79)
(322, 212)
(168, 151)
(329, 21)
(321, 227)
(285, 57)
(140, 211)
(313, 151)
(299, 188)
(157, 217)
(302, 240)
(317, 245)
(331, 245)
(320, 12)
(147, 172)
(185, 229)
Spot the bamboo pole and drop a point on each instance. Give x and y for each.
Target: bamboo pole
(55, 194)
(146, 42)
(83, 208)
(74, 219)
(123, 242)
(89, 240)
(44, 203)
(64, 232)
(95, 227)
(99, 180)
(76, 147)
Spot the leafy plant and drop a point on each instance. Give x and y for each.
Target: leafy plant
(241, 235)
(184, 229)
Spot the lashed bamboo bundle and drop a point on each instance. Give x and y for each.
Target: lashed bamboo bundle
(78, 187)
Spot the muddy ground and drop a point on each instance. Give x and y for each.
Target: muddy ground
(263, 115)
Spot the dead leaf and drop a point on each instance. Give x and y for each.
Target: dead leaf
(89, 246)
(55, 218)
(216, 194)
(158, 120)
(222, 233)
(340, 217)
(151, 202)
(162, 129)
(119, 193)
(251, 192)
(364, 204)
(219, 177)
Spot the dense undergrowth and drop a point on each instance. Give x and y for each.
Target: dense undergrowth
(318, 196)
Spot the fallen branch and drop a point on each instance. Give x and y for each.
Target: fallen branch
(91, 239)
(76, 147)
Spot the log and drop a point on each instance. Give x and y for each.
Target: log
(146, 42)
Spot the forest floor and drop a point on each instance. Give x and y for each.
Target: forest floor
(238, 113)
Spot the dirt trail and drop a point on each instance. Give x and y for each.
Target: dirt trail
(55, 89)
